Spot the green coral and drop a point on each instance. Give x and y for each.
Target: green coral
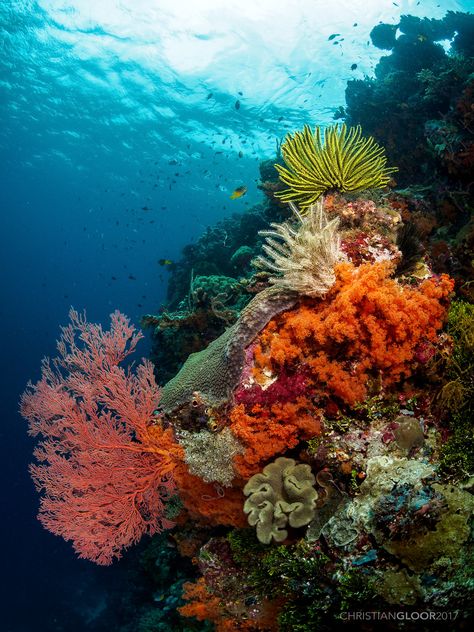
(282, 570)
(316, 589)
(281, 495)
(355, 587)
(399, 587)
(341, 159)
(296, 567)
(245, 545)
(457, 454)
(446, 540)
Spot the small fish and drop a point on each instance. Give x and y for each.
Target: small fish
(237, 105)
(165, 262)
(422, 38)
(354, 66)
(132, 278)
(238, 192)
(331, 37)
(209, 96)
(146, 208)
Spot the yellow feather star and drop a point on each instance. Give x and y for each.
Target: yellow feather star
(340, 160)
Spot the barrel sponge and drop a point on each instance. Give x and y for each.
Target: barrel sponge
(282, 494)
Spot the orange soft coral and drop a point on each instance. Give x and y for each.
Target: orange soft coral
(368, 326)
(206, 606)
(269, 430)
(210, 503)
(201, 603)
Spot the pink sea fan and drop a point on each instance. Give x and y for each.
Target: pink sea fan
(104, 464)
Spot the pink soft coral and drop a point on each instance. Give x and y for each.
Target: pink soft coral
(104, 464)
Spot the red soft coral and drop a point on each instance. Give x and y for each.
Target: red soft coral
(104, 465)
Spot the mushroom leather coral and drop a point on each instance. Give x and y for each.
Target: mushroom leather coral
(368, 326)
(282, 494)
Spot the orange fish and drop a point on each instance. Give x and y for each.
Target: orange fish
(239, 192)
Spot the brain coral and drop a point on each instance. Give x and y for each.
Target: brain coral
(280, 495)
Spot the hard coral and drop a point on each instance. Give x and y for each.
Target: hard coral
(368, 326)
(215, 371)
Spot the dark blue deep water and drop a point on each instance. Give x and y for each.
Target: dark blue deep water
(124, 128)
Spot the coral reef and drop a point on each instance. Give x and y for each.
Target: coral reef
(210, 306)
(214, 372)
(368, 328)
(318, 370)
(416, 104)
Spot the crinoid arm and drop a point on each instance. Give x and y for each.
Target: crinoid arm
(301, 258)
(340, 159)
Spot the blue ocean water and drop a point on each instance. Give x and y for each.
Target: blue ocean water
(124, 128)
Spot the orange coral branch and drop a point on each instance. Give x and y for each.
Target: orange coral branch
(367, 326)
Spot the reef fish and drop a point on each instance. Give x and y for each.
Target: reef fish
(165, 262)
(238, 192)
